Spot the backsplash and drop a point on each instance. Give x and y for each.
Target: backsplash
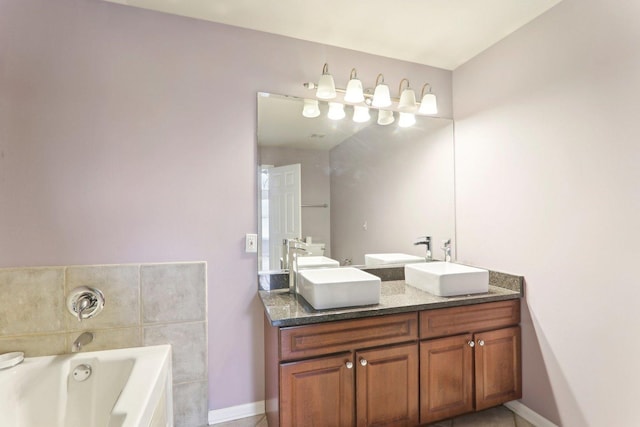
(146, 304)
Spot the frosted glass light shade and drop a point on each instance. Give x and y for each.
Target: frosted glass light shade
(326, 87)
(429, 105)
(311, 108)
(385, 117)
(408, 101)
(361, 114)
(381, 96)
(406, 120)
(336, 111)
(354, 92)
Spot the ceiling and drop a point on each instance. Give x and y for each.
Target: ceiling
(439, 33)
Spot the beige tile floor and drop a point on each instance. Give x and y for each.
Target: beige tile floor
(494, 417)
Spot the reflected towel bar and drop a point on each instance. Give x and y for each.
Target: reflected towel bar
(324, 205)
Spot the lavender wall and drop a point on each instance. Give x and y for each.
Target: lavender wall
(547, 186)
(129, 136)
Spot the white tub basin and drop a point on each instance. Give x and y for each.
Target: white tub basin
(128, 387)
(446, 278)
(338, 287)
(315, 262)
(391, 258)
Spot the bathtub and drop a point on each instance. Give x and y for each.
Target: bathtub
(128, 387)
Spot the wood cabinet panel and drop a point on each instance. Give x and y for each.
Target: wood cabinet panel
(446, 378)
(458, 320)
(498, 367)
(301, 342)
(387, 386)
(317, 392)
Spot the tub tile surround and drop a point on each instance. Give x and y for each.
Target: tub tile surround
(146, 304)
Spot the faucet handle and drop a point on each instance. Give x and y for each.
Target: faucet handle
(423, 240)
(446, 247)
(84, 302)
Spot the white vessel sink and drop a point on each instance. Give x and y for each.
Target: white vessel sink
(446, 278)
(393, 258)
(315, 262)
(338, 287)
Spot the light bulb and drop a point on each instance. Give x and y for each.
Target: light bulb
(336, 111)
(361, 114)
(429, 105)
(326, 85)
(385, 117)
(311, 108)
(406, 120)
(381, 96)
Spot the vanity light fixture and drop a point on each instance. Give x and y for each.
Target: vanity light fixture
(428, 103)
(336, 111)
(326, 85)
(354, 92)
(381, 95)
(361, 114)
(311, 108)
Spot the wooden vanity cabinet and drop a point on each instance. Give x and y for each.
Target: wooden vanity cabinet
(393, 370)
(360, 372)
(477, 367)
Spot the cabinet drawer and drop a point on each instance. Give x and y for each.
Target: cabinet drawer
(300, 342)
(470, 318)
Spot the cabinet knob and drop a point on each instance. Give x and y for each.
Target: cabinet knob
(349, 365)
(480, 343)
(363, 362)
(471, 344)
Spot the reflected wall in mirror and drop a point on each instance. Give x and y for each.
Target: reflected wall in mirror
(349, 188)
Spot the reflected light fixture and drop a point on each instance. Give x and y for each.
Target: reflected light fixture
(336, 111)
(354, 92)
(311, 108)
(428, 104)
(361, 114)
(385, 117)
(326, 85)
(381, 95)
(406, 120)
(407, 101)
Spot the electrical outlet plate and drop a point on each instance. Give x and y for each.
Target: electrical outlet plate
(251, 243)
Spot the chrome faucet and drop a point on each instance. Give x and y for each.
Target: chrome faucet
(425, 240)
(84, 302)
(294, 246)
(82, 340)
(446, 247)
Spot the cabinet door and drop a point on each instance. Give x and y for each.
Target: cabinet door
(446, 377)
(387, 386)
(498, 367)
(318, 392)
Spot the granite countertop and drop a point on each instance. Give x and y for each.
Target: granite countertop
(285, 309)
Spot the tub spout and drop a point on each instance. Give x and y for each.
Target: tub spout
(84, 339)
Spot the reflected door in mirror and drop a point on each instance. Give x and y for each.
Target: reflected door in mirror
(280, 211)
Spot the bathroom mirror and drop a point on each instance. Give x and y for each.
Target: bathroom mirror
(350, 188)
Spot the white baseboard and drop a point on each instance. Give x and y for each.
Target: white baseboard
(257, 408)
(528, 414)
(236, 412)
